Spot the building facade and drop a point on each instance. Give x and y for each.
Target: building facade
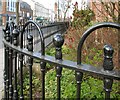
(101, 12)
(8, 10)
(40, 11)
(25, 10)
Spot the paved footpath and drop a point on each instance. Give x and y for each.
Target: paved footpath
(1, 63)
(1, 73)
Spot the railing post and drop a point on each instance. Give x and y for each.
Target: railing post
(15, 43)
(21, 76)
(4, 30)
(30, 62)
(21, 64)
(58, 41)
(79, 76)
(42, 65)
(10, 73)
(108, 66)
(7, 63)
(7, 38)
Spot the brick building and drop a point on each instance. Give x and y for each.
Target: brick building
(8, 10)
(99, 9)
(25, 10)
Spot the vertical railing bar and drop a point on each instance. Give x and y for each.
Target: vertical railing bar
(58, 41)
(43, 85)
(7, 63)
(24, 39)
(5, 59)
(21, 63)
(10, 74)
(43, 64)
(58, 87)
(5, 71)
(21, 76)
(11, 62)
(30, 62)
(15, 96)
(15, 43)
(108, 66)
(79, 76)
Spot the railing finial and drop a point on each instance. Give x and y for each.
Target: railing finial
(15, 34)
(30, 63)
(108, 55)
(58, 41)
(30, 42)
(108, 66)
(7, 35)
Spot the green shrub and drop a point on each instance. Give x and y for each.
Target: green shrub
(92, 88)
(82, 17)
(36, 85)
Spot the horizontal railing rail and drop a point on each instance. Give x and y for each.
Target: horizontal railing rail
(68, 64)
(47, 31)
(15, 52)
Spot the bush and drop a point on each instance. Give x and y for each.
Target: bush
(36, 84)
(82, 17)
(92, 88)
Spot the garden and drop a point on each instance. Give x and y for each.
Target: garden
(92, 86)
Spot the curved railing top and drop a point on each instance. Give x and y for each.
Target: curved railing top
(89, 31)
(40, 33)
(70, 64)
(14, 58)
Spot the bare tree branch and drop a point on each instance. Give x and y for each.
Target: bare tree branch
(109, 8)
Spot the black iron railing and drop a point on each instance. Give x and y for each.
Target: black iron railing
(20, 42)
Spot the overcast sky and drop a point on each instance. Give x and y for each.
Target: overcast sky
(50, 3)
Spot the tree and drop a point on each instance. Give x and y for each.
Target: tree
(110, 11)
(65, 5)
(119, 33)
(82, 17)
(17, 11)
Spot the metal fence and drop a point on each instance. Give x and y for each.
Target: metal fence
(20, 42)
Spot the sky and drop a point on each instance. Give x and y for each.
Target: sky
(46, 3)
(50, 4)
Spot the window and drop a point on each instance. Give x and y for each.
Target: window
(14, 6)
(0, 20)
(8, 5)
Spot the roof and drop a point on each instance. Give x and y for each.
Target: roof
(25, 5)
